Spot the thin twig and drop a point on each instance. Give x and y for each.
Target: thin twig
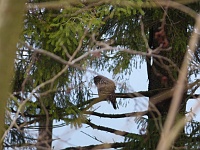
(95, 138)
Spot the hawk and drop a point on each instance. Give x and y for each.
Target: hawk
(106, 88)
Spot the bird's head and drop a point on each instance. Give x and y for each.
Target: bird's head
(97, 79)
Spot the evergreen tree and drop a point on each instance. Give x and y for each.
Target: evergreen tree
(61, 40)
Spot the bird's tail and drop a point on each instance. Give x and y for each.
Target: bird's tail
(114, 104)
(112, 99)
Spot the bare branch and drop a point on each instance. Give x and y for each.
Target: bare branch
(100, 146)
(117, 132)
(66, 4)
(179, 90)
(132, 114)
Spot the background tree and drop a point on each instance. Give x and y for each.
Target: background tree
(61, 40)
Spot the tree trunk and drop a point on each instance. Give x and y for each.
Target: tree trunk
(45, 134)
(160, 78)
(46, 123)
(11, 14)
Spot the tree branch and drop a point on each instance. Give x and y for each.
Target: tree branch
(179, 89)
(132, 114)
(100, 146)
(117, 132)
(156, 96)
(66, 4)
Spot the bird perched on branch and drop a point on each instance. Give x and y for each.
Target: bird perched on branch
(106, 88)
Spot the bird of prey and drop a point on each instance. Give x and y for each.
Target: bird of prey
(106, 88)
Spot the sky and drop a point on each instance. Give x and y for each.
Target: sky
(85, 135)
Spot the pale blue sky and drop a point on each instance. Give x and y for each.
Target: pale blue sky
(75, 137)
